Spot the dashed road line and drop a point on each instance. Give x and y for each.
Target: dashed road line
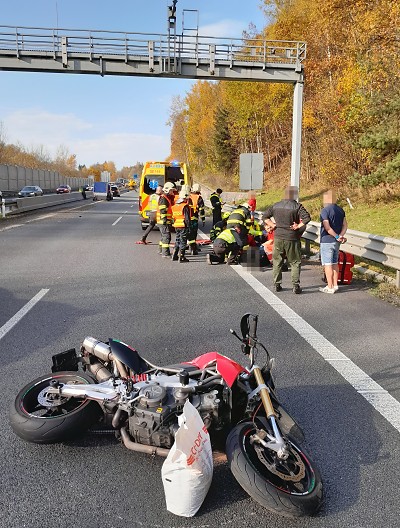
(20, 314)
(117, 220)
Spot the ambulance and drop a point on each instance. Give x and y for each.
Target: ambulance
(157, 173)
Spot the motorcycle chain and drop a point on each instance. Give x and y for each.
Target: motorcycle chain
(273, 469)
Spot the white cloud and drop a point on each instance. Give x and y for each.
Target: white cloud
(226, 28)
(35, 127)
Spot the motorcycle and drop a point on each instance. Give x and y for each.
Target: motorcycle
(111, 384)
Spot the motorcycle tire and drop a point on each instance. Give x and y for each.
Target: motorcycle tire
(35, 419)
(292, 488)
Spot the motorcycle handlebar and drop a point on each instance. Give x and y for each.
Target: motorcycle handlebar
(253, 327)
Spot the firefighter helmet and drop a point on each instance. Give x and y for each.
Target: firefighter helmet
(168, 186)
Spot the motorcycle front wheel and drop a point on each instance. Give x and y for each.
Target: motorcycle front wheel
(290, 487)
(41, 418)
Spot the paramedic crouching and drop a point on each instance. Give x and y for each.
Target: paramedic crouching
(229, 244)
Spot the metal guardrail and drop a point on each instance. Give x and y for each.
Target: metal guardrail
(22, 205)
(124, 53)
(376, 248)
(63, 41)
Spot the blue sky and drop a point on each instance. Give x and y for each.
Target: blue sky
(122, 119)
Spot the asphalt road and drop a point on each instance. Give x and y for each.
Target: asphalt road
(337, 362)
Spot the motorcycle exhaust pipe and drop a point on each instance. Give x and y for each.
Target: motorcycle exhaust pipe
(134, 446)
(97, 348)
(99, 371)
(103, 352)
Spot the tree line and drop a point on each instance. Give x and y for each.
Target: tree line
(63, 162)
(351, 115)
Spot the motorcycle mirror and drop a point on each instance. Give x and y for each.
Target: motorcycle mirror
(245, 326)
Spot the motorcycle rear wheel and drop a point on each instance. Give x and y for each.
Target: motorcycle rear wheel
(292, 488)
(35, 418)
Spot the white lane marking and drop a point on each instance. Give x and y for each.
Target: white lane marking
(117, 220)
(376, 395)
(20, 314)
(10, 227)
(124, 212)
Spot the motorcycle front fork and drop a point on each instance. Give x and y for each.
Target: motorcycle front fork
(275, 442)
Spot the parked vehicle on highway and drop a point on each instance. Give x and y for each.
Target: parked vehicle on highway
(30, 190)
(115, 190)
(111, 384)
(157, 173)
(102, 191)
(63, 189)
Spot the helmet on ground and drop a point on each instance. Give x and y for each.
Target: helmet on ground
(225, 216)
(168, 187)
(196, 187)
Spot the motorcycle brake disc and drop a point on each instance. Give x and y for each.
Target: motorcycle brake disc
(271, 466)
(46, 400)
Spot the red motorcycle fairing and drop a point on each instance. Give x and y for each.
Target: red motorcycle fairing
(228, 368)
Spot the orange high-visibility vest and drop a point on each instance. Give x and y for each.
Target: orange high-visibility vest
(178, 215)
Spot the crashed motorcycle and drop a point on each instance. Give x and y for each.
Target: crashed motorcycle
(112, 385)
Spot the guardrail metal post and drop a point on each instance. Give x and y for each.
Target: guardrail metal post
(398, 279)
(3, 208)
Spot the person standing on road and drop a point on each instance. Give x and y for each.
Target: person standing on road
(152, 214)
(216, 205)
(290, 218)
(196, 213)
(333, 229)
(181, 223)
(164, 217)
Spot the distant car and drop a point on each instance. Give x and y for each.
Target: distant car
(30, 190)
(115, 190)
(63, 189)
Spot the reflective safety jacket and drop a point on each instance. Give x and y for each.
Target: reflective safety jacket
(153, 202)
(181, 215)
(197, 207)
(215, 201)
(255, 230)
(164, 209)
(241, 216)
(228, 237)
(217, 229)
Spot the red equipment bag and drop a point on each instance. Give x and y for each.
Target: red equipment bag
(346, 262)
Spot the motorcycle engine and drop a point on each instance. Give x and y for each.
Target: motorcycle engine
(154, 417)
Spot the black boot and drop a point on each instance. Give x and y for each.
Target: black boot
(193, 249)
(175, 255)
(182, 257)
